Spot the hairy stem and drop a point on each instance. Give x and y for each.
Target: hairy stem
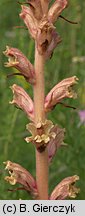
(41, 158)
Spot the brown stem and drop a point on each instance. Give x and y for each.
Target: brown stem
(41, 158)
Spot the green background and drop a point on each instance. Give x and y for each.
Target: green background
(70, 160)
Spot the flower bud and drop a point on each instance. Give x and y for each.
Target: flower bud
(20, 175)
(65, 189)
(56, 142)
(23, 101)
(60, 91)
(57, 7)
(19, 61)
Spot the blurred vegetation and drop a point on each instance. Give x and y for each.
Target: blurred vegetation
(70, 160)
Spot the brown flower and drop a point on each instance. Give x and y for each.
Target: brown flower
(56, 142)
(56, 39)
(23, 101)
(57, 7)
(44, 5)
(60, 91)
(36, 8)
(44, 35)
(65, 189)
(30, 20)
(20, 175)
(19, 61)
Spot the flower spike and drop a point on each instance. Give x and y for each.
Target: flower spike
(23, 101)
(39, 17)
(19, 61)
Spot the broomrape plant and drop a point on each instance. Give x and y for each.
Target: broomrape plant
(39, 18)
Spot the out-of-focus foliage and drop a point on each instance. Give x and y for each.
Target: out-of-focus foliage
(69, 160)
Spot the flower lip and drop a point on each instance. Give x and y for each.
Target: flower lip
(41, 134)
(12, 60)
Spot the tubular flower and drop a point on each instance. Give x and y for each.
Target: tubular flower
(44, 5)
(19, 61)
(47, 37)
(44, 35)
(41, 134)
(65, 189)
(62, 90)
(56, 9)
(56, 39)
(56, 142)
(36, 8)
(30, 20)
(20, 175)
(23, 101)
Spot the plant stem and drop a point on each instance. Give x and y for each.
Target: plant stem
(41, 158)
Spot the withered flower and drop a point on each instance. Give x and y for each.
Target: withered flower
(56, 39)
(17, 174)
(23, 101)
(65, 189)
(19, 61)
(56, 142)
(60, 91)
(47, 38)
(36, 8)
(44, 5)
(41, 134)
(44, 35)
